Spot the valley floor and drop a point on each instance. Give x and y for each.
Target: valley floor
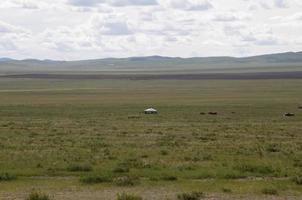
(89, 139)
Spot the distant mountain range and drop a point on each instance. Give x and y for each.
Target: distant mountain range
(5, 59)
(289, 61)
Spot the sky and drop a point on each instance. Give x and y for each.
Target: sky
(89, 29)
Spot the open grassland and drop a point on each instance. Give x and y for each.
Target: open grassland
(88, 139)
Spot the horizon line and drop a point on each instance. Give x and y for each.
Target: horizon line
(2, 59)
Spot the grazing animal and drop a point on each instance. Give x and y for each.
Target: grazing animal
(212, 113)
(289, 114)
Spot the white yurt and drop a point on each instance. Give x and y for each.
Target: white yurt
(150, 111)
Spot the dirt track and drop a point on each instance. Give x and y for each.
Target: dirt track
(204, 76)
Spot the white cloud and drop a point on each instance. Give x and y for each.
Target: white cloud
(281, 3)
(96, 34)
(81, 29)
(190, 5)
(132, 2)
(294, 19)
(110, 25)
(29, 4)
(12, 37)
(24, 4)
(230, 16)
(213, 43)
(269, 4)
(259, 35)
(296, 16)
(118, 3)
(7, 28)
(6, 44)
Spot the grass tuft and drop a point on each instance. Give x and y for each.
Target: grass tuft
(255, 169)
(298, 179)
(169, 178)
(125, 196)
(190, 196)
(7, 177)
(34, 195)
(126, 181)
(226, 190)
(269, 191)
(94, 179)
(79, 168)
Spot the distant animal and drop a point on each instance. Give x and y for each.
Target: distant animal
(212, 113)
(300, 107)
(289, 114)
(202, 113)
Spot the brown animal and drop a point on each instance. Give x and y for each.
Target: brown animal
(212, 113)
(289, 114)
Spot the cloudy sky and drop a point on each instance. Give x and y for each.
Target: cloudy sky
(86, 29)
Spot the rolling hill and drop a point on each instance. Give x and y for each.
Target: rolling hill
(290, 61)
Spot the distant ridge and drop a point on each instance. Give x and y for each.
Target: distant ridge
(5, 59)
(292, 55)
(158, 57)
(288, 61)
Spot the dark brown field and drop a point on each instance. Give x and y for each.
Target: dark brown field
(203, 76)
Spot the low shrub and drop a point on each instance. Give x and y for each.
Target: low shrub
(190, 196)
(39, 165)
(207, 157)
(79, 168)
(298, 179)
(164, 152)
(226, 190)
(205, 176)
(255, 169)
(298, 163)
(7, 177)
(169, 178)
(144, 156)
(121, 169)
(234, 176)
(127, 164)
(134, 163)
(273, 148)
(269, 191)
(126, 181)
(94, 179)
(37, 196)
(125, 196)
(186, 167)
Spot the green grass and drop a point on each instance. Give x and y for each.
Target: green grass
(298, 179)
(269, 191)
(79, 168)
(86, 130)
(125, 196)
(95, 179)
(37, 196)
(7, 177)
(190, 196)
